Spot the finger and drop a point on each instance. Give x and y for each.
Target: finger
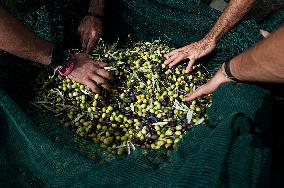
(176, 61)
(82, 36)
(90, 46)
(79, 30)
(175, 51)
(92, 86)
(189, 65)
(106, 86)
(101, 82)
(101, 64)
(81, 39)
(104, 73)
(85, 40)
(91, 43)
(201, 91)
(98, 79)
(168, 55)
(171, 58)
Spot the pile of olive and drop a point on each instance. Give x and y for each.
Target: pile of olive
(145, 109)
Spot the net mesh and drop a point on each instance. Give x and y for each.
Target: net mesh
(230, 151)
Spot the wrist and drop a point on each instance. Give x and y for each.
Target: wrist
(222, 78)
(46, 59)
(226, 71)
(94, 15)
(44, 56)
(61, 61)
(211, 38)
(67, 69)
(97, 6)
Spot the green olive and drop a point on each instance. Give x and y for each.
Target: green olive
(177, 133)
(143, 87)
(169, 132)
(144, 131)
(178, 127)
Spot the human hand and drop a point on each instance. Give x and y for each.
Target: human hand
(90, 30)
(90, 73)
(192, 52)
(209, 87)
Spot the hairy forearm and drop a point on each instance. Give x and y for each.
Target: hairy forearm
(18, 40)
(264, 62)
(234, 12)
(97, 6)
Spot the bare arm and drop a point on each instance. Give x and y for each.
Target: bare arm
(264, 62)
(234, 12)
(18, 40)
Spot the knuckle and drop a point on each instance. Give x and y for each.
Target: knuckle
(91, 75)
(93, 88)
(104, 82)
(85, 81)
(93, 34)
(92, 68)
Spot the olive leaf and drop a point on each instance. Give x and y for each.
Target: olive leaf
(48, 108)
(60, 77)
(42, 104)
(189, 116)
(59, 114)
(199, 121)
(91, 115)
(87, 92)
(61, 95)
(120, 63)
(180, 106)
(155, 84)
(110, 68)
(101, 133)
(121, 146)
(160, 123)
(79, 116)
(131, 145)
(132, 107)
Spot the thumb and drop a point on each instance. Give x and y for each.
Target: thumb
(91, 44)
(189, 66)
(201, 91)
(209, 87)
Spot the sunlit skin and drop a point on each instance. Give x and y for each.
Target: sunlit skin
(18, 40)
(233, 13)
(146, 108)
(90, 28)
(261, 63)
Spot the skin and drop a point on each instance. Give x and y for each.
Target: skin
(18, 40)
(261, 63)
(234, 12)
(90, 28)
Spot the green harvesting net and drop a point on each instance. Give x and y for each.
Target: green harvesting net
(230, 150)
